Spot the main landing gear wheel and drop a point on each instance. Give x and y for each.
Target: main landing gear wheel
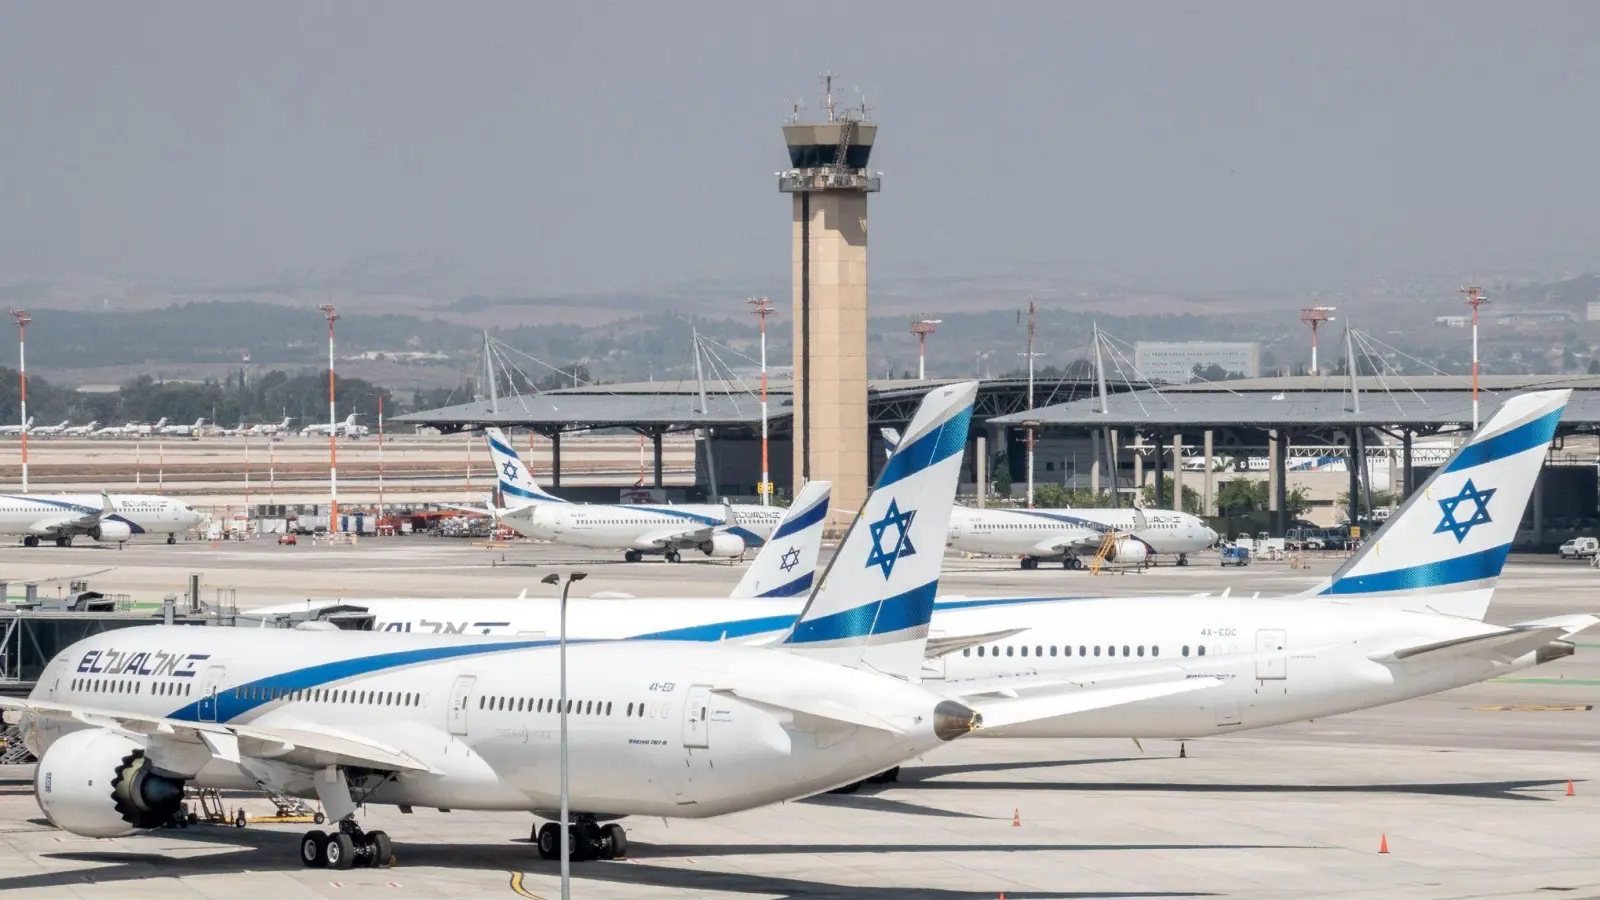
(340, 851)
(548, 837)
(65, 541)
(349, 848)
(586, 839)
(672, 556)
(314, 850)
(30, 541)
(1029, 563)
(632, 556)
(1071, 562)
(888, 776)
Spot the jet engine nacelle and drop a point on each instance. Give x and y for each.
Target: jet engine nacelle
(723, 546)
(111, 532)
(1130, 552)
(98, 783)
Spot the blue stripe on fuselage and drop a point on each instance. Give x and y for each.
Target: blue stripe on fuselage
(235, 701)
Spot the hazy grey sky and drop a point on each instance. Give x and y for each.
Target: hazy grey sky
(599, 145)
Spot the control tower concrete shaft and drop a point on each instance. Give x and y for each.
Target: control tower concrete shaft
(829, 179)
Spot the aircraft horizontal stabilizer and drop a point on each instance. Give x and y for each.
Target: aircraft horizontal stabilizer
(816, 707)
(1505, 645)
(291, 746)
(1049, 705)
(945, 645)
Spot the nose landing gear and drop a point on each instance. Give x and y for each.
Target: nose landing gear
(347, 848)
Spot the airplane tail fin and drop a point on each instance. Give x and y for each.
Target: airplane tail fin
(872, 606)
(891, 440)
(516, 482)
(1442, 551)
(787, 563)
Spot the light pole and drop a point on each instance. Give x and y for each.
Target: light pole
(566, 832)
(333, 433)
(22, 368)
(762, 307)
(1475, 299)
(922, 328)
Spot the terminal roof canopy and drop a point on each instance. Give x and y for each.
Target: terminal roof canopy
(1421, 404)
(675, 406)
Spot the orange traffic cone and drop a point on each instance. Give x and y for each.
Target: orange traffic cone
(1383, 844)
(1570, 791)
(1016, 818)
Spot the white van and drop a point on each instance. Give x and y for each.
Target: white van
(1580, 548)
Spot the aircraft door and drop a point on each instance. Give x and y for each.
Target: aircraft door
(210, 683)
(460, 693)
(1269, 640)
(696, 710)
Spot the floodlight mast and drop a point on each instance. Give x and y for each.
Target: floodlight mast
(1475, 298)
(1315, 316)
(922, 328)
(762, 307)
(333, 430)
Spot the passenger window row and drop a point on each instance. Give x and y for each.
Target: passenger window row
(1066, 650)
(269, 693)
(552, 705)
(131, 686)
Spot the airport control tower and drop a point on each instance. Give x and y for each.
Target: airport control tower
(830, 181)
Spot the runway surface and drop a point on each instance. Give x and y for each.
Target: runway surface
(1468, 788)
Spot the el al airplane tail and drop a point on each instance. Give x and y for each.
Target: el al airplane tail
(516, 482)
(891, 440)
(872, 607)
(1443, 549)
(787, 563)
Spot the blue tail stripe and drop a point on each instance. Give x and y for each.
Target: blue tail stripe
(803, 521)
(503, 448)
(1523, 437)
(939, 444)
(1456, 570)
(507, 487)
(792, 589)
(908, 610)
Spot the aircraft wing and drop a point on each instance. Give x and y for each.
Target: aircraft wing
(292, 746)
(1504, 645)
(1051, 704)
(1070, 539)
(71, 522)
(666, 536)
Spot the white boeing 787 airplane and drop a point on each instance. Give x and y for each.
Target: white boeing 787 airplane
(1402, 618)
(123, 721)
